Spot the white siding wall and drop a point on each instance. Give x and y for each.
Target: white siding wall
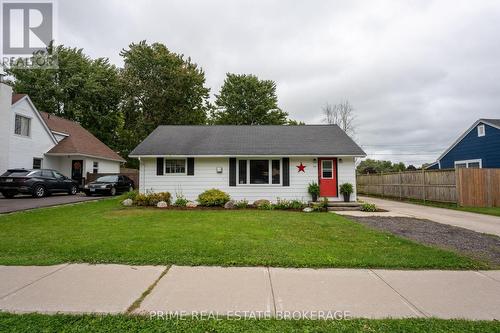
(105, 166)
(5, 119)
(23, 149)
(205, 177)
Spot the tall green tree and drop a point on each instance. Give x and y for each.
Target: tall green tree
(80, 89)
(377, 166)
(247, 100)
(160, 88)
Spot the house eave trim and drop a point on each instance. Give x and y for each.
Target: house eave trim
(86, 155)
(239, 155)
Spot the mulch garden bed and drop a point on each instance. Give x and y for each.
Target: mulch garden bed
(477, 245)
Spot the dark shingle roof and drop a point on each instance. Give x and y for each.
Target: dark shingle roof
(495, 122)
(248, 140)
(79, 140)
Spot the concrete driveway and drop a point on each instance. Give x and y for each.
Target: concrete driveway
(19, 203)
(472, 221)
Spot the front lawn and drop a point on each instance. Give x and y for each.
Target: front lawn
(86, 323)
(104, 232)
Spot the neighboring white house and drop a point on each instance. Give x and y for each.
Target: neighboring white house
(31, 139)
(248, 162)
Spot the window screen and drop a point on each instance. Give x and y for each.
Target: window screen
(37, 163)
(22, 125)
(327, 168)
(175, 166)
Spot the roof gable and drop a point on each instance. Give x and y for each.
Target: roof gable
(491, 122)
(19, 99)
(248, 140)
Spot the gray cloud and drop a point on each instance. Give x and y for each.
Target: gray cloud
(417, 72)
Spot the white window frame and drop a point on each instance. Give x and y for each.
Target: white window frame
(41, 162)
(269, 159)
(175, 173)
(466, 162)
(95, 166)
(481, 130)
(333, 169)
(29, 125)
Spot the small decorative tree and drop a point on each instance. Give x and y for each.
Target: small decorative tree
(313, 190)
(346, 189)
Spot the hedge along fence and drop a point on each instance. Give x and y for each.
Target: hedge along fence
(466, 187)
(431, 185)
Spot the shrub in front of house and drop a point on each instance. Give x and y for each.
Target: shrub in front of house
(288, 204)
(260, 202)
(242, 204)
(213, 198)
(368, 207)
(181, 202)
(266, 206)
(131, 195)
(155, 198)
(151, 199)
(321, 206)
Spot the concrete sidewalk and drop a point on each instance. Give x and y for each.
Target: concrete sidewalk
(472, 221)
(367, 293)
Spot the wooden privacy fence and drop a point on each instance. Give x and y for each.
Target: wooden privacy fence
(130, 173)
(467, 187)
(478, 187)
(435, 185)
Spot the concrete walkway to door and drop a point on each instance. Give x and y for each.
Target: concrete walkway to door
(250, 291)
(476, 222)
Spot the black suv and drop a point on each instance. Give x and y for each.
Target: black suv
(37, 182)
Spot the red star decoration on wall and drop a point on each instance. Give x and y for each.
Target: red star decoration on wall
(301, 167)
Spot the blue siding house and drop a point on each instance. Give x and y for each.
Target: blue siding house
(478, 147)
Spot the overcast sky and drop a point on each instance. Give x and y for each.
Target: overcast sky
(418, 73)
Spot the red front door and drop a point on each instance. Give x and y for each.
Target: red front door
(327, 168)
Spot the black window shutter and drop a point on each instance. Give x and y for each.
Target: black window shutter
(190, 165)
(159, 166)
(232, 171)
(286, 171)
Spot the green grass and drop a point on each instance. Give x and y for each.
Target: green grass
(495, 211)
(86, 323)
(104, 232)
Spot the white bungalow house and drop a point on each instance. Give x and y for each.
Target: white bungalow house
(31, 139)
(248, 162)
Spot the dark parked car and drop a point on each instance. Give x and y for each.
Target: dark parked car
(37, 182)
(110, 185)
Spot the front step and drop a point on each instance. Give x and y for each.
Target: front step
(343, 204)
(342, 209)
